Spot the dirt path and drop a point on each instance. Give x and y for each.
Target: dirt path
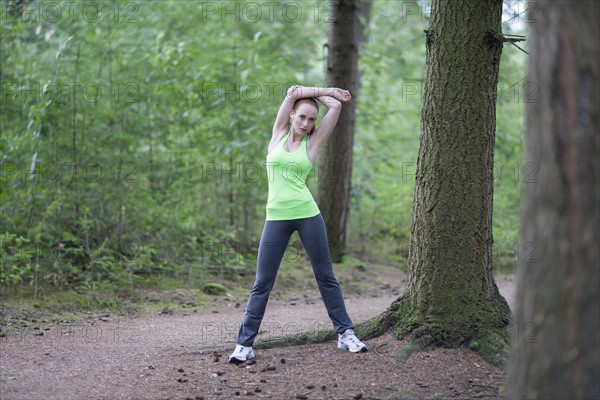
(176, 356)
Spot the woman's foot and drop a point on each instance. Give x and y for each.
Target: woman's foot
(348, 341)
(241, 354)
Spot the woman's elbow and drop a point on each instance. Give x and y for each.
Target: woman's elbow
(293, 92)
(334, 104)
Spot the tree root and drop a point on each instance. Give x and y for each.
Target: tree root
(366, 330)
(491, 342)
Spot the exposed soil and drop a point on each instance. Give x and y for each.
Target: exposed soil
(183, 355)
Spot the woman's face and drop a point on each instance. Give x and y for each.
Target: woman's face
(304, 117)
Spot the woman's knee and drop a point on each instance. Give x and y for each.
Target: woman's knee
(325, 274)
(263, 285)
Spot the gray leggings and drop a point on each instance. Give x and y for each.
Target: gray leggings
(275, 238)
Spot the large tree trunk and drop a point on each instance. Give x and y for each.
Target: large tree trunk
(335, 171)
(556, 354)
(452, 298)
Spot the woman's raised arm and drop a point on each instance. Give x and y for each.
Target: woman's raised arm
(334, 107)
(283, 115)
(297, 92)
(330, 97)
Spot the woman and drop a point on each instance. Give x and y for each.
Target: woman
(290, 207)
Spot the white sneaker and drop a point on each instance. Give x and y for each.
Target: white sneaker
(348, 341)
(241, 354)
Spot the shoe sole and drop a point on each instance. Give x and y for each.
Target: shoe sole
(361, 350)
(235, 360)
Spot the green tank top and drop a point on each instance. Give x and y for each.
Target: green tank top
(289, 198)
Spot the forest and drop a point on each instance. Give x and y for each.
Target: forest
(133, 144)
(133, 138)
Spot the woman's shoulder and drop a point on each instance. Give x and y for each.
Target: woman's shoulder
(280, 134)
(276, 139)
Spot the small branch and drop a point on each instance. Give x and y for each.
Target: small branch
(512, 39)
(494, 37)
(514, 44)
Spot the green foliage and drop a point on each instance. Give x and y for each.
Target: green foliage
(214, 288)
(494, 347)
(406, 350)
(387, 139)
(19, 262)
(132, 147)
(452, 327)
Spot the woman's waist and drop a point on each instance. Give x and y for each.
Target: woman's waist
(289, 197)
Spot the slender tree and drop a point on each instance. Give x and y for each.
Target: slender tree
(556, 351)
(346, 31)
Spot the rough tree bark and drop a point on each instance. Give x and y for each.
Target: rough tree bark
(335, 171)
(556, 351)
(451, 298)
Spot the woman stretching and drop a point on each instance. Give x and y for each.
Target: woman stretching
(290, 207)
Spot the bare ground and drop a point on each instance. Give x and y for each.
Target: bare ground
(183, 355)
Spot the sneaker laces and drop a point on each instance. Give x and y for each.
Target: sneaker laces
(349, 335)
(353, 339)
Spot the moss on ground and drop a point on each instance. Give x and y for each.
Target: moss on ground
(406, 322)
